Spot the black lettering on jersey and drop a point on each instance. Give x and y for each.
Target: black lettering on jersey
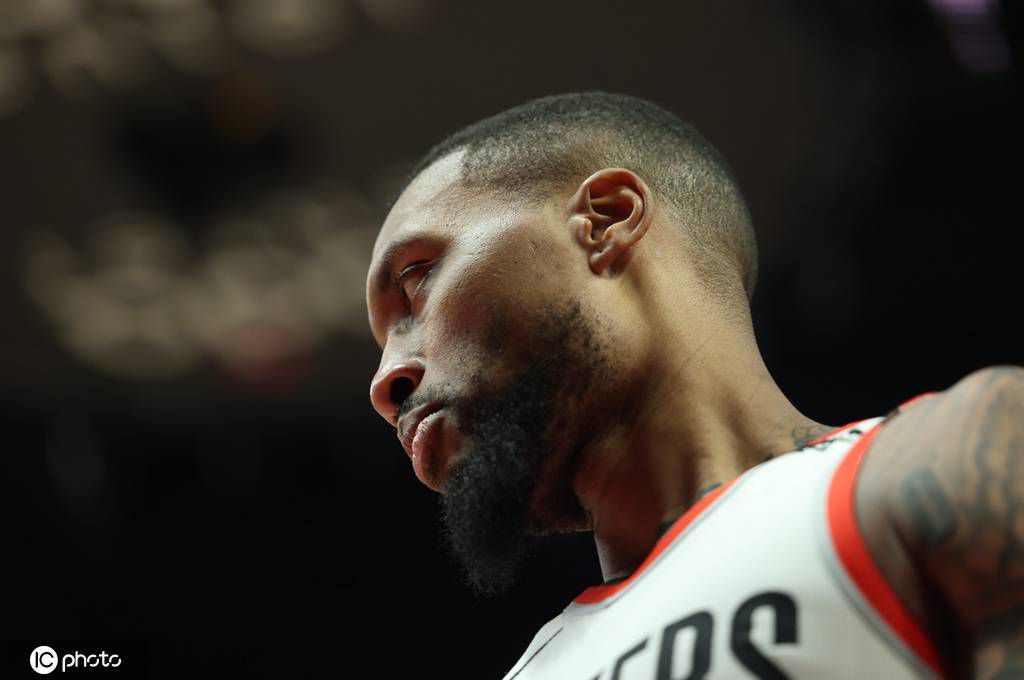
(701, 623)
(785, 632)
(636, 649)
(743, 648)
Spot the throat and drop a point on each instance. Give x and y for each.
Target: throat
(663, 529)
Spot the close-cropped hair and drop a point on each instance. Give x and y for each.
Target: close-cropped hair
(555, 142)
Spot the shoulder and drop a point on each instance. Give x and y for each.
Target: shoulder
(946, 475)
(996, 388)
(982, 411)
(543, 636)
(958, 438)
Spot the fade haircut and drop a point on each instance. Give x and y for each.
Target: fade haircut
(558, 141)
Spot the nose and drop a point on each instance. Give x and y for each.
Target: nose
(392, 385)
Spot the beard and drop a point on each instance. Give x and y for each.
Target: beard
(513, 483)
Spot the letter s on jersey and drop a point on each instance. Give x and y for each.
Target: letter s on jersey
(743, 648)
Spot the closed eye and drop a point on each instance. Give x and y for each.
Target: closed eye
(404, 275)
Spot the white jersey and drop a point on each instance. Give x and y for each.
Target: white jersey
(767, 576)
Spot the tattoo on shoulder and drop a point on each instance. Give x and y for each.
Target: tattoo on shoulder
(928, 507)
(958, 474)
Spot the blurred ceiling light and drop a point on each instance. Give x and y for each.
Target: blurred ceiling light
(138, 257)
(335, 281)
(290, 28)
(116, 310)
(169, 6)
(76, 59)
(126, 338)
(111, 53)
(249, 313)
(975, 33)
(138, 302)
(84, 46)
(190, 38)
(36, 18)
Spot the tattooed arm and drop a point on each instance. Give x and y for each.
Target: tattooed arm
(955, 497)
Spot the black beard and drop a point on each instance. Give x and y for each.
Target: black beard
(489, 523)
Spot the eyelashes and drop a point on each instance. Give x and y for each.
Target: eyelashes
(400, 280)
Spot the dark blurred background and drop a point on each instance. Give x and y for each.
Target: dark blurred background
(191, 471)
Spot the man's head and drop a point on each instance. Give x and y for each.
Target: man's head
(523, 283)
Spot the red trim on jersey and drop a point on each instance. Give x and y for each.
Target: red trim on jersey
(860, 566)
(600, 593)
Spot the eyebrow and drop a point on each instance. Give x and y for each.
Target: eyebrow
(383, 279)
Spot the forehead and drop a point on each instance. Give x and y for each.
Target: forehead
(435, 209)
(436, 197)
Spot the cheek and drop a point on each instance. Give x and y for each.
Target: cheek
(477, 326)
(469, 299)
(484, 308)
(455, 333)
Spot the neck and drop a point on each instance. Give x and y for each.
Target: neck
(647, 472)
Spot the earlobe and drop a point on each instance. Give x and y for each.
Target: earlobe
(610, 213)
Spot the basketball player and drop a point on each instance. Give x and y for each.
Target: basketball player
(561, 298)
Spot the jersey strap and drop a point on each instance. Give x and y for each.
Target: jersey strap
(852, 552)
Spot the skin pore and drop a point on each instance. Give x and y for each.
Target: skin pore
(589, 378)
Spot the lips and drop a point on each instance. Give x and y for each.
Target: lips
(419, 432)
(409, 423)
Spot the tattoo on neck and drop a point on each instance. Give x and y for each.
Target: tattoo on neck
(804, 434)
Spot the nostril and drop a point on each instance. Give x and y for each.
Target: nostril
(401, 388)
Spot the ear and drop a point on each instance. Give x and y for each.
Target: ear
(609, 214)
